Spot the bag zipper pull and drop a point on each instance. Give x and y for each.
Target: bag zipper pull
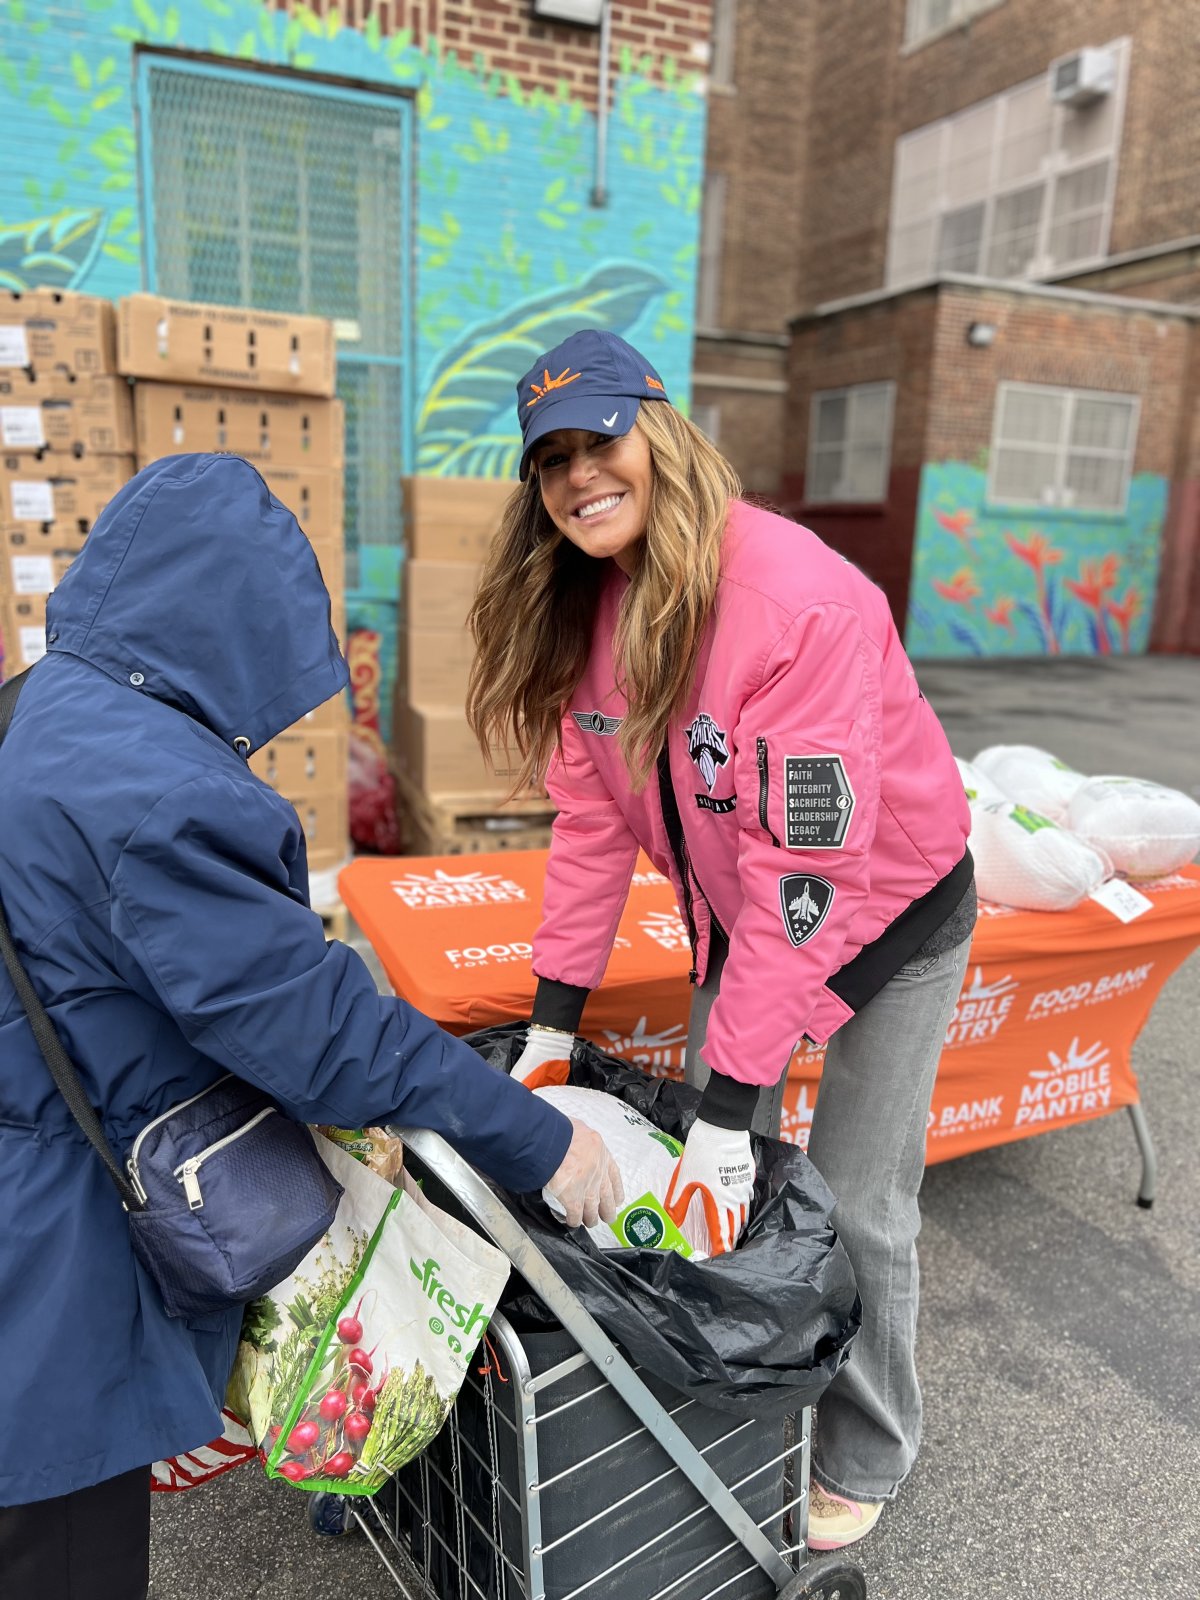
(191, 1184)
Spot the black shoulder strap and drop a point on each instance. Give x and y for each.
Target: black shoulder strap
(44, 1032)
(8, 699)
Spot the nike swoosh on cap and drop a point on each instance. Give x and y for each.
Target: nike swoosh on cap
(608, 421)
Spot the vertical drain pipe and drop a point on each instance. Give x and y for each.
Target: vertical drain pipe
(600, 186)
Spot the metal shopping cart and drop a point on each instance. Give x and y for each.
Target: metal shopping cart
(566, 1473)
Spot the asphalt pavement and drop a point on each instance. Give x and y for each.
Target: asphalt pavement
(1060, 1324)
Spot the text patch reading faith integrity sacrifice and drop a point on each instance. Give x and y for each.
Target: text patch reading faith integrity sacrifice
(818, 802)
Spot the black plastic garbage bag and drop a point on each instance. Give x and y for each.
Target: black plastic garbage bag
(761, 1328)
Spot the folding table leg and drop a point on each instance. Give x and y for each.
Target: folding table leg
(1141, 1128)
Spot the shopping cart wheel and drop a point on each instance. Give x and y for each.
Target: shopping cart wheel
(331, 1514)
(830, 1578)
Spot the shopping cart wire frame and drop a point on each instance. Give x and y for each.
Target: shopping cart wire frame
(790, 1578)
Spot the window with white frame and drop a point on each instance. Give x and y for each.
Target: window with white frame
(1070, 448)
(926, 18)
(850, 443)
(712, 229)
(1014, 187)
(720, 68)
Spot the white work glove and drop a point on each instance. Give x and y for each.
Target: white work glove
(708, 1198)
(587, 1187)
(546, 1058)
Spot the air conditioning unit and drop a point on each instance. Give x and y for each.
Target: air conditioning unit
(1083, 76)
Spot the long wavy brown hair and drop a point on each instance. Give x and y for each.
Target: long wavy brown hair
(535, 608)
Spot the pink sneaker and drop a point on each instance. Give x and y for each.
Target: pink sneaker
(834, 1521)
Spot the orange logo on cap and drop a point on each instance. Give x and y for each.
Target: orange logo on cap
(653, 383)
(541, 391)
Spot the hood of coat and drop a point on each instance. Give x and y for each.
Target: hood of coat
(198, 588)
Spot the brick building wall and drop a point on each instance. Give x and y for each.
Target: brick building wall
(891, 340)
(851, 144)
(757, 132)
(1064, 344)
(510, 40)
(958, 568)
(1177, 614)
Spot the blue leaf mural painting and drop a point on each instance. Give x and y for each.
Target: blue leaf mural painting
(472, 384)
(57, 252)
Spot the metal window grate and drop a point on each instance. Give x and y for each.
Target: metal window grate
(293, 198)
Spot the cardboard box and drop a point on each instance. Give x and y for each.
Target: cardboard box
(452, 519)
(438, 753)
(22, 575)
(325, 818)
(227, 345)
(434, 665)
(284, 430)
(315, 496)
(79, 417)
(58, 489)
(24, 619)
(298, 764)
(438, 594)
(332, 717)
(57, 331)
(46, 539)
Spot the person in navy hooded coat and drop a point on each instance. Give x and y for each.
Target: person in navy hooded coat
(157, 894)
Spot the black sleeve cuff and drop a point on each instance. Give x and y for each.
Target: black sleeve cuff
(559, 1005)
(726, 1103)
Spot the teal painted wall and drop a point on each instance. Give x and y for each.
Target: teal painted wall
(507, 237)
(510, 254)
(989, 582)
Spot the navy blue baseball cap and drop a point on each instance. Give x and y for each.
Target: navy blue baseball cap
(592, 380)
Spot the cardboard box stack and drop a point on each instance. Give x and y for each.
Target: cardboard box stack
(454, 800)
(260, 384)
(66, 447)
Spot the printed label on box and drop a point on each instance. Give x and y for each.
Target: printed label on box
(14, 347)
(21, 427)
(32, 501)
(32, 574)
(33, 644)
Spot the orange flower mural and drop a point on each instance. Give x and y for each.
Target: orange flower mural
(962, 588)
(1125, 613)
(1002, 613)
(1095, 579)
(960, 524)
(1037, 552)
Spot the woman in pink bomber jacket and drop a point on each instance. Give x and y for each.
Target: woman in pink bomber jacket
(710, 682)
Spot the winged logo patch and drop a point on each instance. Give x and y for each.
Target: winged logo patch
(596, 722)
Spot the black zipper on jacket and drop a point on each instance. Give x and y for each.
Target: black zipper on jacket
(764, 787)
(673, 824)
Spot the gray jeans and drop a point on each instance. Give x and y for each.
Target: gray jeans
(868, 1143)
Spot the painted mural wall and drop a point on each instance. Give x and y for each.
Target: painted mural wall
(510, 252)
(991, 582)
(510, 255)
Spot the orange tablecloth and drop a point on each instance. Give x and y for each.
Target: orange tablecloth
(1041, 1038)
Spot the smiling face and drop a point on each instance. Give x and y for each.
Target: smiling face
(596, 490)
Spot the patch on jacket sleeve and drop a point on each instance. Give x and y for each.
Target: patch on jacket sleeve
(596, 722)
(818, 802)
(805, 901)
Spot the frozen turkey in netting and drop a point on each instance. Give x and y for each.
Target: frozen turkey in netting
(1145, 829)
(1031, 777)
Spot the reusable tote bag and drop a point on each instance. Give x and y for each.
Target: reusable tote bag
(348, 1368)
